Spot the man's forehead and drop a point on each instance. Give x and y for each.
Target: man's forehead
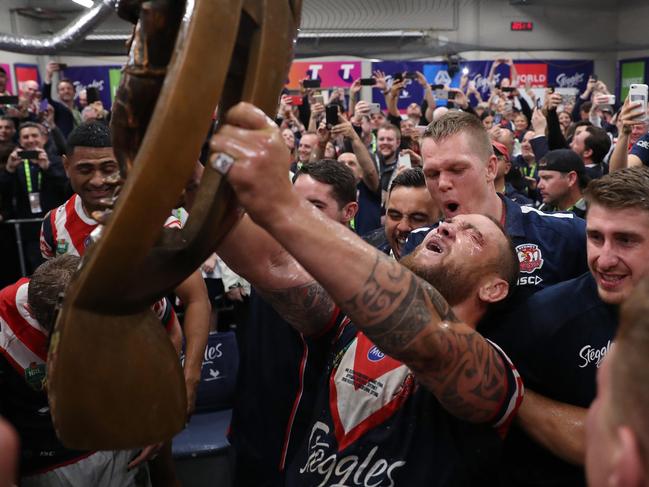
(92, 154)
(30, 131)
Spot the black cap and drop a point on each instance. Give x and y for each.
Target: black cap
(562, 160)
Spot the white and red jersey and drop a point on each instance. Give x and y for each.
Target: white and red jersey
(66, 229)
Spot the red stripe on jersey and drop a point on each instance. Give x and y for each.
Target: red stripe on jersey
(296, 403)
(32, 338)
(76, 227)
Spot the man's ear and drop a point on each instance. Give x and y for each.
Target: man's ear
(628, 467)
(492, 168)
(350, 210)
(588, 153)
(66, 164)
(493, 289)
(573, 178)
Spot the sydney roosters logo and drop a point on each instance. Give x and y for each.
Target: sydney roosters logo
(530, 257)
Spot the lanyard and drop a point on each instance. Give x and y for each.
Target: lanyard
(28, 177)
(529, 170)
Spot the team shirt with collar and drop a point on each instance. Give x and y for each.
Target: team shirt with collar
(551, 247)
(558, 339)
(66, 229)
(374, 424)
(23, 400)
(641, 149)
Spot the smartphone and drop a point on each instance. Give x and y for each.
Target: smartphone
(507, 89)
(331, 114)
(62, 66)
(296, 100)
(638, 92)
(368, 81)
(92, 94)
(411, 75)
(42, 105)
(28, 154)
(436, 87)
(8, 100)
(397, 77)
(311, 83)
(610, 99)
(451, 95)
(404, 160)
(593, 77)
(497, 118)
(319, 99)
(375, 108)
(539, 103)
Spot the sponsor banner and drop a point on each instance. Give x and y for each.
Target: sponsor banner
(631, 73)
(92, 76)
(539, 73)
(25, 72)
(10, 85)
(332, 74)
(412, 92)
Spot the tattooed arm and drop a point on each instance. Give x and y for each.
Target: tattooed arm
(253, 254)
(404, 316)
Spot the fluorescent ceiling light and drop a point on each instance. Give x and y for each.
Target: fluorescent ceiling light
(84, 3)
(360, 33)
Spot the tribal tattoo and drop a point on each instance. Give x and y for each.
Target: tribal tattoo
(410, 320)
(308, 308)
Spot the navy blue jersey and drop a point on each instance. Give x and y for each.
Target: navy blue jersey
(558, 339)
(551, 247)
(641, 149)
(369, 209)
(278, 376)
(374, 424)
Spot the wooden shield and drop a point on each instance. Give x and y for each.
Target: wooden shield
(114, 380)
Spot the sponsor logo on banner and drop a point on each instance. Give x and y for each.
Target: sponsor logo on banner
(443, 78)
(530, 257)
(534, 74)
(565, 81)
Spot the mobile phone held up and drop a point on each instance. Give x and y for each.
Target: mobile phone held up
(638, 92)
(32, 155)
(404, 160)
(92, 94)
(368, 81)
(8, 100)
(311, 83)
(331, 115)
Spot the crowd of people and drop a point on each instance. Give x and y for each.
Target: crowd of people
(434, 297)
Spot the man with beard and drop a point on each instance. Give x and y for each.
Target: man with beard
(412, 394)
(460, 169)
(66, 115)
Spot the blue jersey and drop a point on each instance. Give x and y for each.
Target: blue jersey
(641, 149)
(551, 247)
(558, 339)
(276, 386)
(375, 424)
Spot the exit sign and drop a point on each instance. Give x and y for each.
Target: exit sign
(522, 26)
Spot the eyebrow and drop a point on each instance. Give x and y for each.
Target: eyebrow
(477, 233)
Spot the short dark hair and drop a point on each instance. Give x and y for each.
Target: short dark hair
(47, 283)
(65, 80)
(625, 188)
(335, 174)
(598, 141)
(7, 118)
(34, 125)
(457, 122)
(89, 134)
(586, 106)
(409, 178)
(390, 126)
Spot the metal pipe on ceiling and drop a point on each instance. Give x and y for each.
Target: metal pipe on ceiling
(62, 39)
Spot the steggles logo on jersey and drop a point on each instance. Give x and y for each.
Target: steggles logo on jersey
(530, 257)
(350, 470)
(589, 354)
(35, 376)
